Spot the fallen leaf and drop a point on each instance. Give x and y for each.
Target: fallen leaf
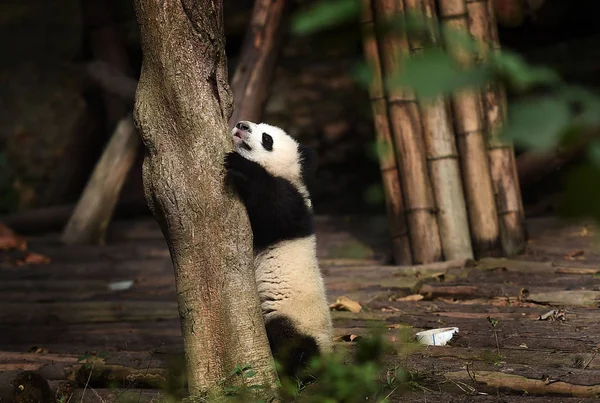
(413, 297)
(523, 345)
(345, 304)
(585, 231)
(547, 315)
(574, 254)
(36, 258)
(523, 294)
(9, 240)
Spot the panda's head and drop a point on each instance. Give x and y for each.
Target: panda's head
(273, 149)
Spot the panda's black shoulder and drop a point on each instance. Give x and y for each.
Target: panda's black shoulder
(282, 215)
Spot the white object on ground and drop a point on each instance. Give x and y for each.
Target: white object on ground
(436, 337)
(120, 285)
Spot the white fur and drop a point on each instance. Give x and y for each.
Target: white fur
(287, 274)
(290, 284)
(282, 161)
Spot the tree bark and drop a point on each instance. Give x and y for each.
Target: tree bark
(261, 48)
(183, 104)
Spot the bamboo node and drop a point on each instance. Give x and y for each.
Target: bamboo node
(455, 16)
(411, 210)
(402, 101)
(507, 212)
(442, 157)
(468, 132)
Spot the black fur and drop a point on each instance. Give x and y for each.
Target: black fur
(267, 142)
(290, 348)
(276, 209)
(308, 162)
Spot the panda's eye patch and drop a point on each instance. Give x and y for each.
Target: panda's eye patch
(267, 142)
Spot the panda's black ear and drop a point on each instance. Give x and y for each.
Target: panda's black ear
(308, 161)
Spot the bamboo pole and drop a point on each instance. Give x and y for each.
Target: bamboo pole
(482, 26)
(442, 158)
(256, 66)
(96, 205)
(387, 160)
(407, 133)
(479, 190)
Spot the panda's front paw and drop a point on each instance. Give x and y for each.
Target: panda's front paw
(234, 164)
(234, 161)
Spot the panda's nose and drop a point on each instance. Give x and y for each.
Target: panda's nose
(244, 125)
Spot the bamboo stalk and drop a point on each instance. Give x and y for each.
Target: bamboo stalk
(256, 66)
(482, 26)
(479, 191)
(95, 207)
(387, 160)
(407, 133)
(443, 161)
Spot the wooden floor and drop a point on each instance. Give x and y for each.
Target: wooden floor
(53, 315)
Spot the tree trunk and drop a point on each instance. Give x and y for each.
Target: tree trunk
(182, 107)
(262, 45)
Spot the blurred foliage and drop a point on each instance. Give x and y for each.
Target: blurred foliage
(547, 112)
(355, 373)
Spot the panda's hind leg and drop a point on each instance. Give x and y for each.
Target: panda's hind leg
(292, 349)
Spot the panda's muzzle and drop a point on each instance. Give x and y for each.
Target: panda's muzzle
(240, 134)
(244, 126)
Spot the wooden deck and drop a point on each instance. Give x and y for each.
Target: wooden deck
(53, 314)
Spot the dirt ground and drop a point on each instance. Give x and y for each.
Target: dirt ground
(115, 305)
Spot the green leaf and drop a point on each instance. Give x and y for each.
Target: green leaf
(582, 193)
(374, 194)
(249, 374)
(323, 15)
(519, 73)
(237, 370)
(594, 153)
(363, 73)
(435, 72)
(458, 38)
(231, 390)
(537, 124)
(103, 354)
(586, 102)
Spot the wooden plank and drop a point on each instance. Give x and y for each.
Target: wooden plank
(87, 312)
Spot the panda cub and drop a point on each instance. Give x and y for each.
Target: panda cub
(269, 171)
